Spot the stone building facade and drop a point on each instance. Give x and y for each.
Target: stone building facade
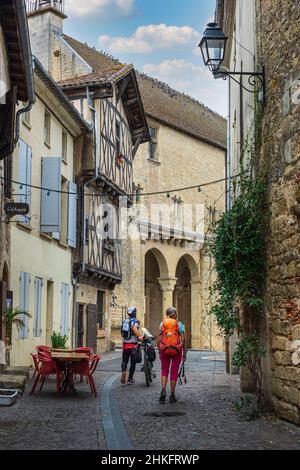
(16, 83)
(276, 32)
(187, 148)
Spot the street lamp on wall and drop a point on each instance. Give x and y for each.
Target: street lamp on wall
(213, 48)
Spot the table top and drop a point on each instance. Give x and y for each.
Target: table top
(69, 356)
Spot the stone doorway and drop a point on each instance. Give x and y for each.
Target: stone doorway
(182, 296)
(153, 293)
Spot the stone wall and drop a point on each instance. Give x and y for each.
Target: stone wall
(180, 161)
(279, 50)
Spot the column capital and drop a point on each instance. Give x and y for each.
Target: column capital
(167, 284)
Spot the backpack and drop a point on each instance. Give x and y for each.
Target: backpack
(126, 329)
(170, 343)
(151, 352)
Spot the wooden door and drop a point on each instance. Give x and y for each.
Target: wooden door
(80, 325)
(91, 336)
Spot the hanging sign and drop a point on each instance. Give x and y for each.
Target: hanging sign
(16, 208)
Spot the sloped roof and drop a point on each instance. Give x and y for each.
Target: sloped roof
(112, 75)
(162, 102)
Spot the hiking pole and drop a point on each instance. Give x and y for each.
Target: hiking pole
(181, 374)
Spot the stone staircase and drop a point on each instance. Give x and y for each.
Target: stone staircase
(14, 378)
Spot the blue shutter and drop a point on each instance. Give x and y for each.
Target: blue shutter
(72, 215)
(64, 327)
(51, 201)
(24, 302)
(38, 284)
(24, 177)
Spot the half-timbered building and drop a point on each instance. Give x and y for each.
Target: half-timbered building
(110, 101)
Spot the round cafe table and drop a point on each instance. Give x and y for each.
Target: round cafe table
(65, 361)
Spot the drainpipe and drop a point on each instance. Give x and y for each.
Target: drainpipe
(21, 17)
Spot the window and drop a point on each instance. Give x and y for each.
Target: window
(65, 295)
(26, 117)
(38, 284)
(24, 282)
(100, 304)
(118, 144)
(178, 206)
(152, 153)
(63, 234)
(64, 146)
(47, 127)
(24, 177)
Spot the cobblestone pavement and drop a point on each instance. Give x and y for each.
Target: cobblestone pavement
(210, 421)
(43, 421)
(46, 422)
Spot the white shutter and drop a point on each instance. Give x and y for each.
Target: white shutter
(72, 215)
(37, 306)
(24, 302)
(65, 292)
(51, 200)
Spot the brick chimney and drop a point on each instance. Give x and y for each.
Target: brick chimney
(45, 19)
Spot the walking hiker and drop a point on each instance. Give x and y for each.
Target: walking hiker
(131, 336)
(171, 351)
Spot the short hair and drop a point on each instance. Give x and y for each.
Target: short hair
(171, 312)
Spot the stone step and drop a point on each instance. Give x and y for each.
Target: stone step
(17, 371)
(12, 381)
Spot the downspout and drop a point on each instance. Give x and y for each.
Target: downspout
(21, 17)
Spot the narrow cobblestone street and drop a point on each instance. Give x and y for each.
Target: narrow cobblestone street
(209, 422)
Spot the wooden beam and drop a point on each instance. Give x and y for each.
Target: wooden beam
(136, 146)
(123, 87)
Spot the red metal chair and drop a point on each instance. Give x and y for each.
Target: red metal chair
(87, 368)
(44, 350)
(88, 352)
(47, 367)
(36, 363)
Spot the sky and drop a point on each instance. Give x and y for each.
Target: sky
(160, 37)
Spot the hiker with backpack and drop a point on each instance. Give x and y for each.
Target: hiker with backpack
(172, 352)
(131, 336)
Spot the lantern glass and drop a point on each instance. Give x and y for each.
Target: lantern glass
(213, 45)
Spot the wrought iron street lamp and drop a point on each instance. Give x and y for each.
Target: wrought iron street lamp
(213, 48)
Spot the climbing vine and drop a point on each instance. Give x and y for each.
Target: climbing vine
(239, 255)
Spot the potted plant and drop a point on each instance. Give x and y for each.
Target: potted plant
(58, 341)
(13, 316)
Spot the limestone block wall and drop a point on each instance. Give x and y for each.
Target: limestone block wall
(181, 161)
(279, 40)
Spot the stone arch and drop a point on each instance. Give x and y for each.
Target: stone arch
(185, 293)
(155, 268)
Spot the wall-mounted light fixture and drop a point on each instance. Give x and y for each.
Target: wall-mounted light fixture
(213, 48)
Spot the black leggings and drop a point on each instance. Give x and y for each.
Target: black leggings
(129, 353)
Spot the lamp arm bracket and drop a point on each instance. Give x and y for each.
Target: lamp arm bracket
(254, 79)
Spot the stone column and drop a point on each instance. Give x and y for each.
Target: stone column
(196, 315)
(167, 286)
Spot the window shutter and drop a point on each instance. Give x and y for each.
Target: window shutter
(24, 302)
(51, 201)
(65, 292)
(37, 306)
(23, 177)
(72, 216)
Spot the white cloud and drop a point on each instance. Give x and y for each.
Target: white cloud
(193, 80)
(149, 38)
(100, 7)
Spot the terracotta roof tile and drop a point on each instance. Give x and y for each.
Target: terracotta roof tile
(162, 102)
(111, 75)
